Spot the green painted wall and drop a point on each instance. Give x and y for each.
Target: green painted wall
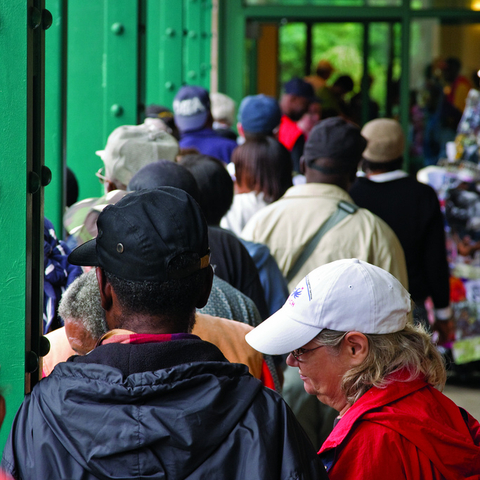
(55, 91)
(13, 203)
(178, 47)
(102, 72)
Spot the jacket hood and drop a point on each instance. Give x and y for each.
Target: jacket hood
(135, 420)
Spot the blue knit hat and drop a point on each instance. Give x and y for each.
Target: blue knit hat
(259, 114)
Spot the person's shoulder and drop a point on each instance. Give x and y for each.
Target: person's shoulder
(258, 219)
(361, 184)
(421, 187)
(205, 321)
(228, 239)
(376, 224)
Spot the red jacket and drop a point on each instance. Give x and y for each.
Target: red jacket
(288, 132)
(408, 430)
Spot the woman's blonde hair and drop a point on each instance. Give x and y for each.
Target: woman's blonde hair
(410, 349)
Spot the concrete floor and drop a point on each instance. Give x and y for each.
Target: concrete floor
(467, 397)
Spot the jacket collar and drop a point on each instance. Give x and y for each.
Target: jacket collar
(373, 399)
(309, 190)
(387, 176)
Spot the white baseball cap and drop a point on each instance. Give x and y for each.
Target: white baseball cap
(345, 295)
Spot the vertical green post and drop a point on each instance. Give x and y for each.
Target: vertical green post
(164, 40)
(102, 79)
(231, 55)
(365, 82)
(55, 95)
(120, 67)
(205, 43)
(85, 108)
(13, 203)
(192, 41)
(405, 76)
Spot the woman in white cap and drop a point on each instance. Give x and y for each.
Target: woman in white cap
(349, 330)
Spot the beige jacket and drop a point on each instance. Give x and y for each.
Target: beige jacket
(287, 225)
(227, 335)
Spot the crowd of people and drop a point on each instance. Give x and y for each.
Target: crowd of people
(238, 303)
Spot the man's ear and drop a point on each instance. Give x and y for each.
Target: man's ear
(105, 288)
(110, 186)
(207, 288)
(357, 348)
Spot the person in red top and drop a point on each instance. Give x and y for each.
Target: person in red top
(457, 86)
(294, 103)
(349, 327)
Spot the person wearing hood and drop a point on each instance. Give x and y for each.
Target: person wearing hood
(349, 329)
(153, 400)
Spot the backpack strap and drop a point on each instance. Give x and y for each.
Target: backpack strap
(343, 210)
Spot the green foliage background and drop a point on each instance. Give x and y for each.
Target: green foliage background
(342, 45)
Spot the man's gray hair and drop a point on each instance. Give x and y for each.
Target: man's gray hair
(81, 304)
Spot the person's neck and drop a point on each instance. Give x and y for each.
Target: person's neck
(371, 173)
(241, 188)
(344, 410)
(344, 184)
(149, 324)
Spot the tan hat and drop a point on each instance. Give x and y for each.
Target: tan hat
(325, 65)
(131, 147)
(386, 140)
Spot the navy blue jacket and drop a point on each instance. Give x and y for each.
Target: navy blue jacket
(209, 142)
(111, 415)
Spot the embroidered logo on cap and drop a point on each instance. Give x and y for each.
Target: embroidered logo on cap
(188, 107)
(294, 296)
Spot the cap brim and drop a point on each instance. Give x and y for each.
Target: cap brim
(280, 334)
(193, 122)
(85, 255)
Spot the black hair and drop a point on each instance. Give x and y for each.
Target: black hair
(265, 166)
(173, 299)
(345, 82)
(72, 188)
(165, 173)
(215, 184)
(382, 166)
(454, 64)
(249, 136)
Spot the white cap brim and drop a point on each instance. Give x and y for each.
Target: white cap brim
(280, 334)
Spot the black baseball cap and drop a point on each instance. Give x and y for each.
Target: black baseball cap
(300, 88)
(336, 139)
(140, 235)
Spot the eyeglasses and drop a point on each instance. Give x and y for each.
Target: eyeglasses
(100, 175)
(302, 351)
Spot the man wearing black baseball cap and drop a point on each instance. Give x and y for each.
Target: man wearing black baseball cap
(331, 156)
(291, 228)
(152, 400)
